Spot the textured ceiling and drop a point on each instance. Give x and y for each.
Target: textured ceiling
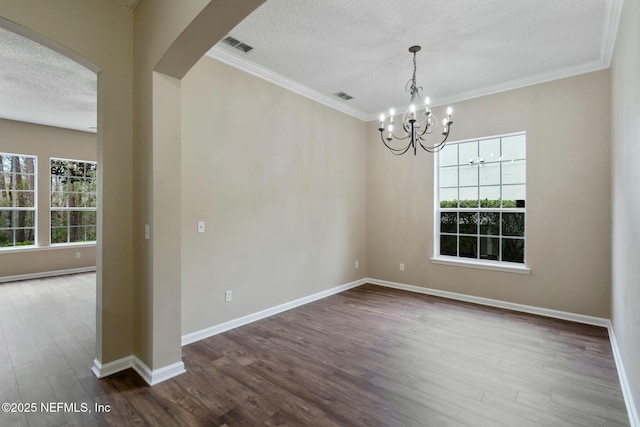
(469, 47)
(39, 85)
(320, 47)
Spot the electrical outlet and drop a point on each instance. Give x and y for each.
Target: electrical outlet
(146, 231)
(357, 265)
(401, 267)
(78, 255)
(200, 226)
(227, 296)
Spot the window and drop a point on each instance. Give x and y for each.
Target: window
(73, 201)
(481, 193)
(17, 200)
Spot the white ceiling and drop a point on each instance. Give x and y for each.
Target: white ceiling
(39, 85)
(470, 48)
(316, 48)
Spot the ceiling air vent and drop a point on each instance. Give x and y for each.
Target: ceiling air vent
(343, 95)
(244, 47)
(237, 44)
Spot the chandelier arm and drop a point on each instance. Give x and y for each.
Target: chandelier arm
(435, 148)
(400, 153)
(394, 135)
(401, 150)
(405, 125)
(426, 131)
(401, 138)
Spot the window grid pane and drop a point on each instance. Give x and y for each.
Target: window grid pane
(17, 200)
(484, 216)
(73, 201)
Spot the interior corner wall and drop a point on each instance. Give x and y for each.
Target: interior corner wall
(45, 142)
(280, 182)
(625, 111)
(100, 33)
(568, 198)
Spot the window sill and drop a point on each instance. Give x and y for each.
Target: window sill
(18, 249)
(509, 267)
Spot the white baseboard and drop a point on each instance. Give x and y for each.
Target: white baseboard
(155, 376)
(244, 320)
(152, 377)
(634, 418)
(111, 368)
(564, 315)
(46, 274)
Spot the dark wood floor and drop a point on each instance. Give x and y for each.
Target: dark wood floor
(369, 356)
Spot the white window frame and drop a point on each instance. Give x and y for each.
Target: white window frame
(68, 209)
(33, 209)
(514, 267)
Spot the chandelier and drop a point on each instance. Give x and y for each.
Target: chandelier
(414, 131)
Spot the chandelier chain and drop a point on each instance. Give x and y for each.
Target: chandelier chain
(411, 85)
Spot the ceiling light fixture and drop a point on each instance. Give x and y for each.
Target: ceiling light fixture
(414, 130)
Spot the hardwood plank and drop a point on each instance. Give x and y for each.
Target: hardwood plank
(290, 404)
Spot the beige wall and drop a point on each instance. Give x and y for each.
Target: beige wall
(625, 103)
(280, 182)
(45, 142)
(568, 215)
(99, 35)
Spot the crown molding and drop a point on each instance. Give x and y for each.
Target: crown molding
(293, 86)
(562, 73)
(609, 32)
(223, 56)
